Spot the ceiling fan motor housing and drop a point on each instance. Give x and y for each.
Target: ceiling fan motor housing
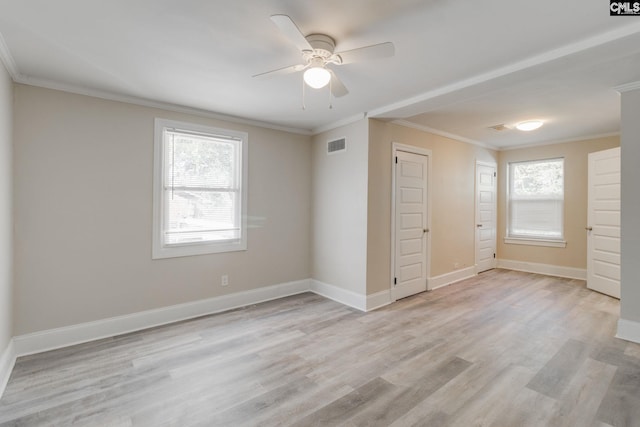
(322, 45)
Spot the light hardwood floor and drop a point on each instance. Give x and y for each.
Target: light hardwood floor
(502, 349)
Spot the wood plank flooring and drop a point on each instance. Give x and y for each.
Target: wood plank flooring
(502, 349)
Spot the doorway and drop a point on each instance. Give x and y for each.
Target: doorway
(486, 218)
(603, 222)
(410, 220)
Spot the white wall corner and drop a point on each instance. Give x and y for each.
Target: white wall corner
(379, 299)
(7, 361)
(546, 269)
(628, 330)
(38, 342)
(340, 295)
(450, 278)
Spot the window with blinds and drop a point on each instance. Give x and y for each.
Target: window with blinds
(536, 200)
(200, 190)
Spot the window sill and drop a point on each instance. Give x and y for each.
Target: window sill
(185, 250)
(535, 242)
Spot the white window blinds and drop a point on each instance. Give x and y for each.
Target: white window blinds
(536, 199)
(200, 190)
(201, 187)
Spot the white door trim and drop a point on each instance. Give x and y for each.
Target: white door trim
(395, 147)
(495, 211)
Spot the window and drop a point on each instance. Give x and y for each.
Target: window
(536, 202)
(200, 193)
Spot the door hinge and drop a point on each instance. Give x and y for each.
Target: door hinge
(494, 255)
(395, 281)
(396, 159)
(495, 174)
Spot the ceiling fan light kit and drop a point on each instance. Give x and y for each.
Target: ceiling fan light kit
(317, 77)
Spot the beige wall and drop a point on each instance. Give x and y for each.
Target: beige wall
(453, 200)
(630, 246)
(575, 156)
(339, 242)
(83, 213)
(6, 209)
(82, 182)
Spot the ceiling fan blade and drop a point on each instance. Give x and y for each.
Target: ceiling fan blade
(338, 89)
(291, 31)
(382, 50)
(280, 71)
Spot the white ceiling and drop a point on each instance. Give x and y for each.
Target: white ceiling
(460, 65)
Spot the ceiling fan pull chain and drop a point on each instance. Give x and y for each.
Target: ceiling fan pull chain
(303, 106)
(330, 97)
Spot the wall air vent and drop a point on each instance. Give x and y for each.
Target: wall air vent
(336, 146)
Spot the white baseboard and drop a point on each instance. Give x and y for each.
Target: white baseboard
(340, 295)
(38, 342)
(628, 330)
(379, 299)
(450, 278)
(51, 339)
(546, 269)
(7, 361)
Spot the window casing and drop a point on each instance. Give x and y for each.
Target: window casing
(200, 191)
(535, 198)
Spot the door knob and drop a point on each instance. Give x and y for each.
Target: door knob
(478, 225)
(588, 228)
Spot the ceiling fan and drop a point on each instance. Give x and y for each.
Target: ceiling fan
(318, 53)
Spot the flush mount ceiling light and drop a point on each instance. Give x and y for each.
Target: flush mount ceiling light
(317, 77)
(529, 125)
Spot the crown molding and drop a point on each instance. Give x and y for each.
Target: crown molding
(339, 123)
(554, 54)
(423, 128)
(561, 141)
(111, 96)
(628, 87)
(445, 134)
(7, 59)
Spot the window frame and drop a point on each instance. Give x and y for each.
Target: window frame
(160, 250)
(558, 242)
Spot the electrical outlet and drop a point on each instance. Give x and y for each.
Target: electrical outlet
(224, 280)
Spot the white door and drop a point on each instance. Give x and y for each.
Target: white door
(603, 222)
(486, 203)
(410, 269)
